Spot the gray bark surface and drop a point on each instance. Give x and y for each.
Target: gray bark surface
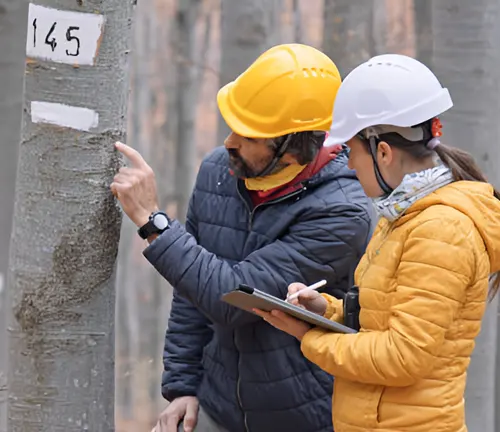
(13, 16)
(248, 28)
(65, 239)
(467, 59)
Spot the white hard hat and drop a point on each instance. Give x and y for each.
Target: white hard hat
(388, 89)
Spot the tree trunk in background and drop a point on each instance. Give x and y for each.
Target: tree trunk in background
(143, 295)
(13, 18)
(186, 19)
(423, 31)
(348, 34)
(248, 28)
(466, 60)
(297, 22)
(67, 223)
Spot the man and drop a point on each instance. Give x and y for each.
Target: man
(274, 207)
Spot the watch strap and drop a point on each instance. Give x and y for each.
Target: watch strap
(149, 228)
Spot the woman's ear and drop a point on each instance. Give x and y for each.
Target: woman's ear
(384, 154)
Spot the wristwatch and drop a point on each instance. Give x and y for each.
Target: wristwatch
(157, 224)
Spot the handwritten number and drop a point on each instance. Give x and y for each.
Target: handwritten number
(34, 32)
(51, 42)
(70, 37)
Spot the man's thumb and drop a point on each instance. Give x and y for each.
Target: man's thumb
(191, 417)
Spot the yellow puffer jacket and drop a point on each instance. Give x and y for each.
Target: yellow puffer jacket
(423, 289)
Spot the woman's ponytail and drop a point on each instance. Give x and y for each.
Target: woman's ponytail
(464, 167)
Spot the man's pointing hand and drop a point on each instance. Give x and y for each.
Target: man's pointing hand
(135, 187)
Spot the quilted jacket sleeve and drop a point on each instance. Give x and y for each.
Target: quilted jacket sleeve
(334, 308)
(187, 335)
(436, 267)
(324, 244)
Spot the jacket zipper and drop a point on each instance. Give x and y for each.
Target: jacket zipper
(387, 231)
(250, 222)
(239, 401)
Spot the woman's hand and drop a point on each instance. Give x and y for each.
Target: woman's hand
(284, 322)
(311, 300)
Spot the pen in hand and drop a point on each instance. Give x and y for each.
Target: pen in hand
(309, 288)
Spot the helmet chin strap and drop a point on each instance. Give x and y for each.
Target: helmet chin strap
(373, 142)
(279, 152)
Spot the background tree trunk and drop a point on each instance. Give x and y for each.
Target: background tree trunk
(248, 28)
(186, 19)
(348, 36)
(13, 18)
(65, 235)
(466, 59)
(297, 22)
(423, 31)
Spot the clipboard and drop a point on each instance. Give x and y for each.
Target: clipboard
(248, 298)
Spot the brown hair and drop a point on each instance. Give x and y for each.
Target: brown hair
(462, 166)
(303, 145)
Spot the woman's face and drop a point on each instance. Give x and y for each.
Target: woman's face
(360, 160)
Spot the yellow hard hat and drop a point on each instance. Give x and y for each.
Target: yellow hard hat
(289, 88)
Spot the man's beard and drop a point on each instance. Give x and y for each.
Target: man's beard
(239, 166)
(242, 169)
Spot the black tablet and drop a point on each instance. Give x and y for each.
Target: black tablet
(248, 298)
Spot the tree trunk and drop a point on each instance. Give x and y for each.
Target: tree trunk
(248, 28)
(67, 224)
(186, 19)
(13, 16)
(466, 59)
(297, 22)
(348, 35)
(423, 30)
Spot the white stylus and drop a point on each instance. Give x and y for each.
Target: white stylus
(309, 288)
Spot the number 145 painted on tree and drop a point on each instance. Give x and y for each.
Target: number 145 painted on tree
(63, 36)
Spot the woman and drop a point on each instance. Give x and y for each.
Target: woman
(423, 281)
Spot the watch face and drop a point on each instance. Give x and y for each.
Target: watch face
(160, 221)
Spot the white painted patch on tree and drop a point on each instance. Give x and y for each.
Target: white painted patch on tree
(83, 119)
(63, 36)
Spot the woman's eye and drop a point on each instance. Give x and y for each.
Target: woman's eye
(250, 139)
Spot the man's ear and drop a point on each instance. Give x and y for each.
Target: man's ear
(289, 159)
(384, 153)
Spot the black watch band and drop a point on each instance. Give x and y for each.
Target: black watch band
(157, 224)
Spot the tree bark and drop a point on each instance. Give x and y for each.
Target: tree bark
(248, 28)
(13, 16)
(466, 59)
(65, 234)
(348, 36)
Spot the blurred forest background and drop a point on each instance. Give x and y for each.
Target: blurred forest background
(185, 50)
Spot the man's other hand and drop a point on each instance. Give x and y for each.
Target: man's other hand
(183, 409)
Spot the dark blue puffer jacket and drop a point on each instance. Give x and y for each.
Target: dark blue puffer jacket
(247, 375)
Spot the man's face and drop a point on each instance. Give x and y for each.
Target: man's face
(248, 156)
